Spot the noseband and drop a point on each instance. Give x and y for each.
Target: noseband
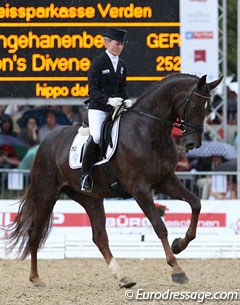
(183, 122)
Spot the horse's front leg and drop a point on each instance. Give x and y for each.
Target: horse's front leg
(174, 188)
(145, 201)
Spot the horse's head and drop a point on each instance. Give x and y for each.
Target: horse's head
(193, 109)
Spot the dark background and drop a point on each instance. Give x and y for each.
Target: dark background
(141, 60)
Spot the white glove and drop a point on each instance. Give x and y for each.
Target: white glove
(128, 103)
(115, 101)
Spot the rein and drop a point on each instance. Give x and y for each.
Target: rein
(152, 117)
(182, 124)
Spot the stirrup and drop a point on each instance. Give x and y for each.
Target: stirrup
(86, 183)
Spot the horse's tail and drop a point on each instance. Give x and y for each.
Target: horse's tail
(19, 230)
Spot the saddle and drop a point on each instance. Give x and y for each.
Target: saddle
(106, 130)
(107, 147)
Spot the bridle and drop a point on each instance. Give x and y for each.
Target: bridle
(186, 102)
(183, 122)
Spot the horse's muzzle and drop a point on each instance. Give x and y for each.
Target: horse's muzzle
(193, 140)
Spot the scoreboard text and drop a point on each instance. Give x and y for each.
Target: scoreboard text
(46, 50)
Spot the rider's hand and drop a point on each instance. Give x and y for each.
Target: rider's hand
(115, 101)
(128, 103)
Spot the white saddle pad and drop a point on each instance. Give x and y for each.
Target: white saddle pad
(76, 149)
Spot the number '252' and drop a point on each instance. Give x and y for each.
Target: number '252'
(168, 63)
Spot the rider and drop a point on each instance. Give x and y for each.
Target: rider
(107, 90)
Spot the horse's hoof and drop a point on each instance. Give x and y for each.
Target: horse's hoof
(180, 278)
(38, 283)
(175, 246)
(126, 282)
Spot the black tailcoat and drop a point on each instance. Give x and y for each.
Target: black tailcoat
(104, 82)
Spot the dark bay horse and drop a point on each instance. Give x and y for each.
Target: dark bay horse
(145, 159)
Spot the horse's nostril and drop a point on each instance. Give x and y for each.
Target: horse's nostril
(190, 146)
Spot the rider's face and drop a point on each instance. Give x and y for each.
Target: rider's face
(114, 47)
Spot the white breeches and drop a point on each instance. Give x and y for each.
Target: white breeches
(95, 120)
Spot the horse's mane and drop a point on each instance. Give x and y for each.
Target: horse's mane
(169, 78)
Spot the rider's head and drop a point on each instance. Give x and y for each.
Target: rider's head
(114, 40)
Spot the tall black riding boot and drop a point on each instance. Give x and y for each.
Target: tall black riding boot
(89, 156)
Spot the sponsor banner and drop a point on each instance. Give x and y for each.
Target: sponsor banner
(199, 34)
(124, 216)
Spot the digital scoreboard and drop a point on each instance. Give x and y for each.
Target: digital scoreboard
(47, 46)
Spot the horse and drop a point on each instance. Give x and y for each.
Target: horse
(144, 160)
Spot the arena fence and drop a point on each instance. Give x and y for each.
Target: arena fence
(130, 233)
(14, 182)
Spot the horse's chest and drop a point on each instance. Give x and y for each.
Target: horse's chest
(167, 167)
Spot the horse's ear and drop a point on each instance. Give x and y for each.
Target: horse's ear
(215, 83)
(201, 82)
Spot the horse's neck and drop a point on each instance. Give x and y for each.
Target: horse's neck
(160, 107)
(153, 124)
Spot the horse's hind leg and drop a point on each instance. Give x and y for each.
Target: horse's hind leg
(95, 210)
(43, 200)
(146, 203)
(174, 187)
